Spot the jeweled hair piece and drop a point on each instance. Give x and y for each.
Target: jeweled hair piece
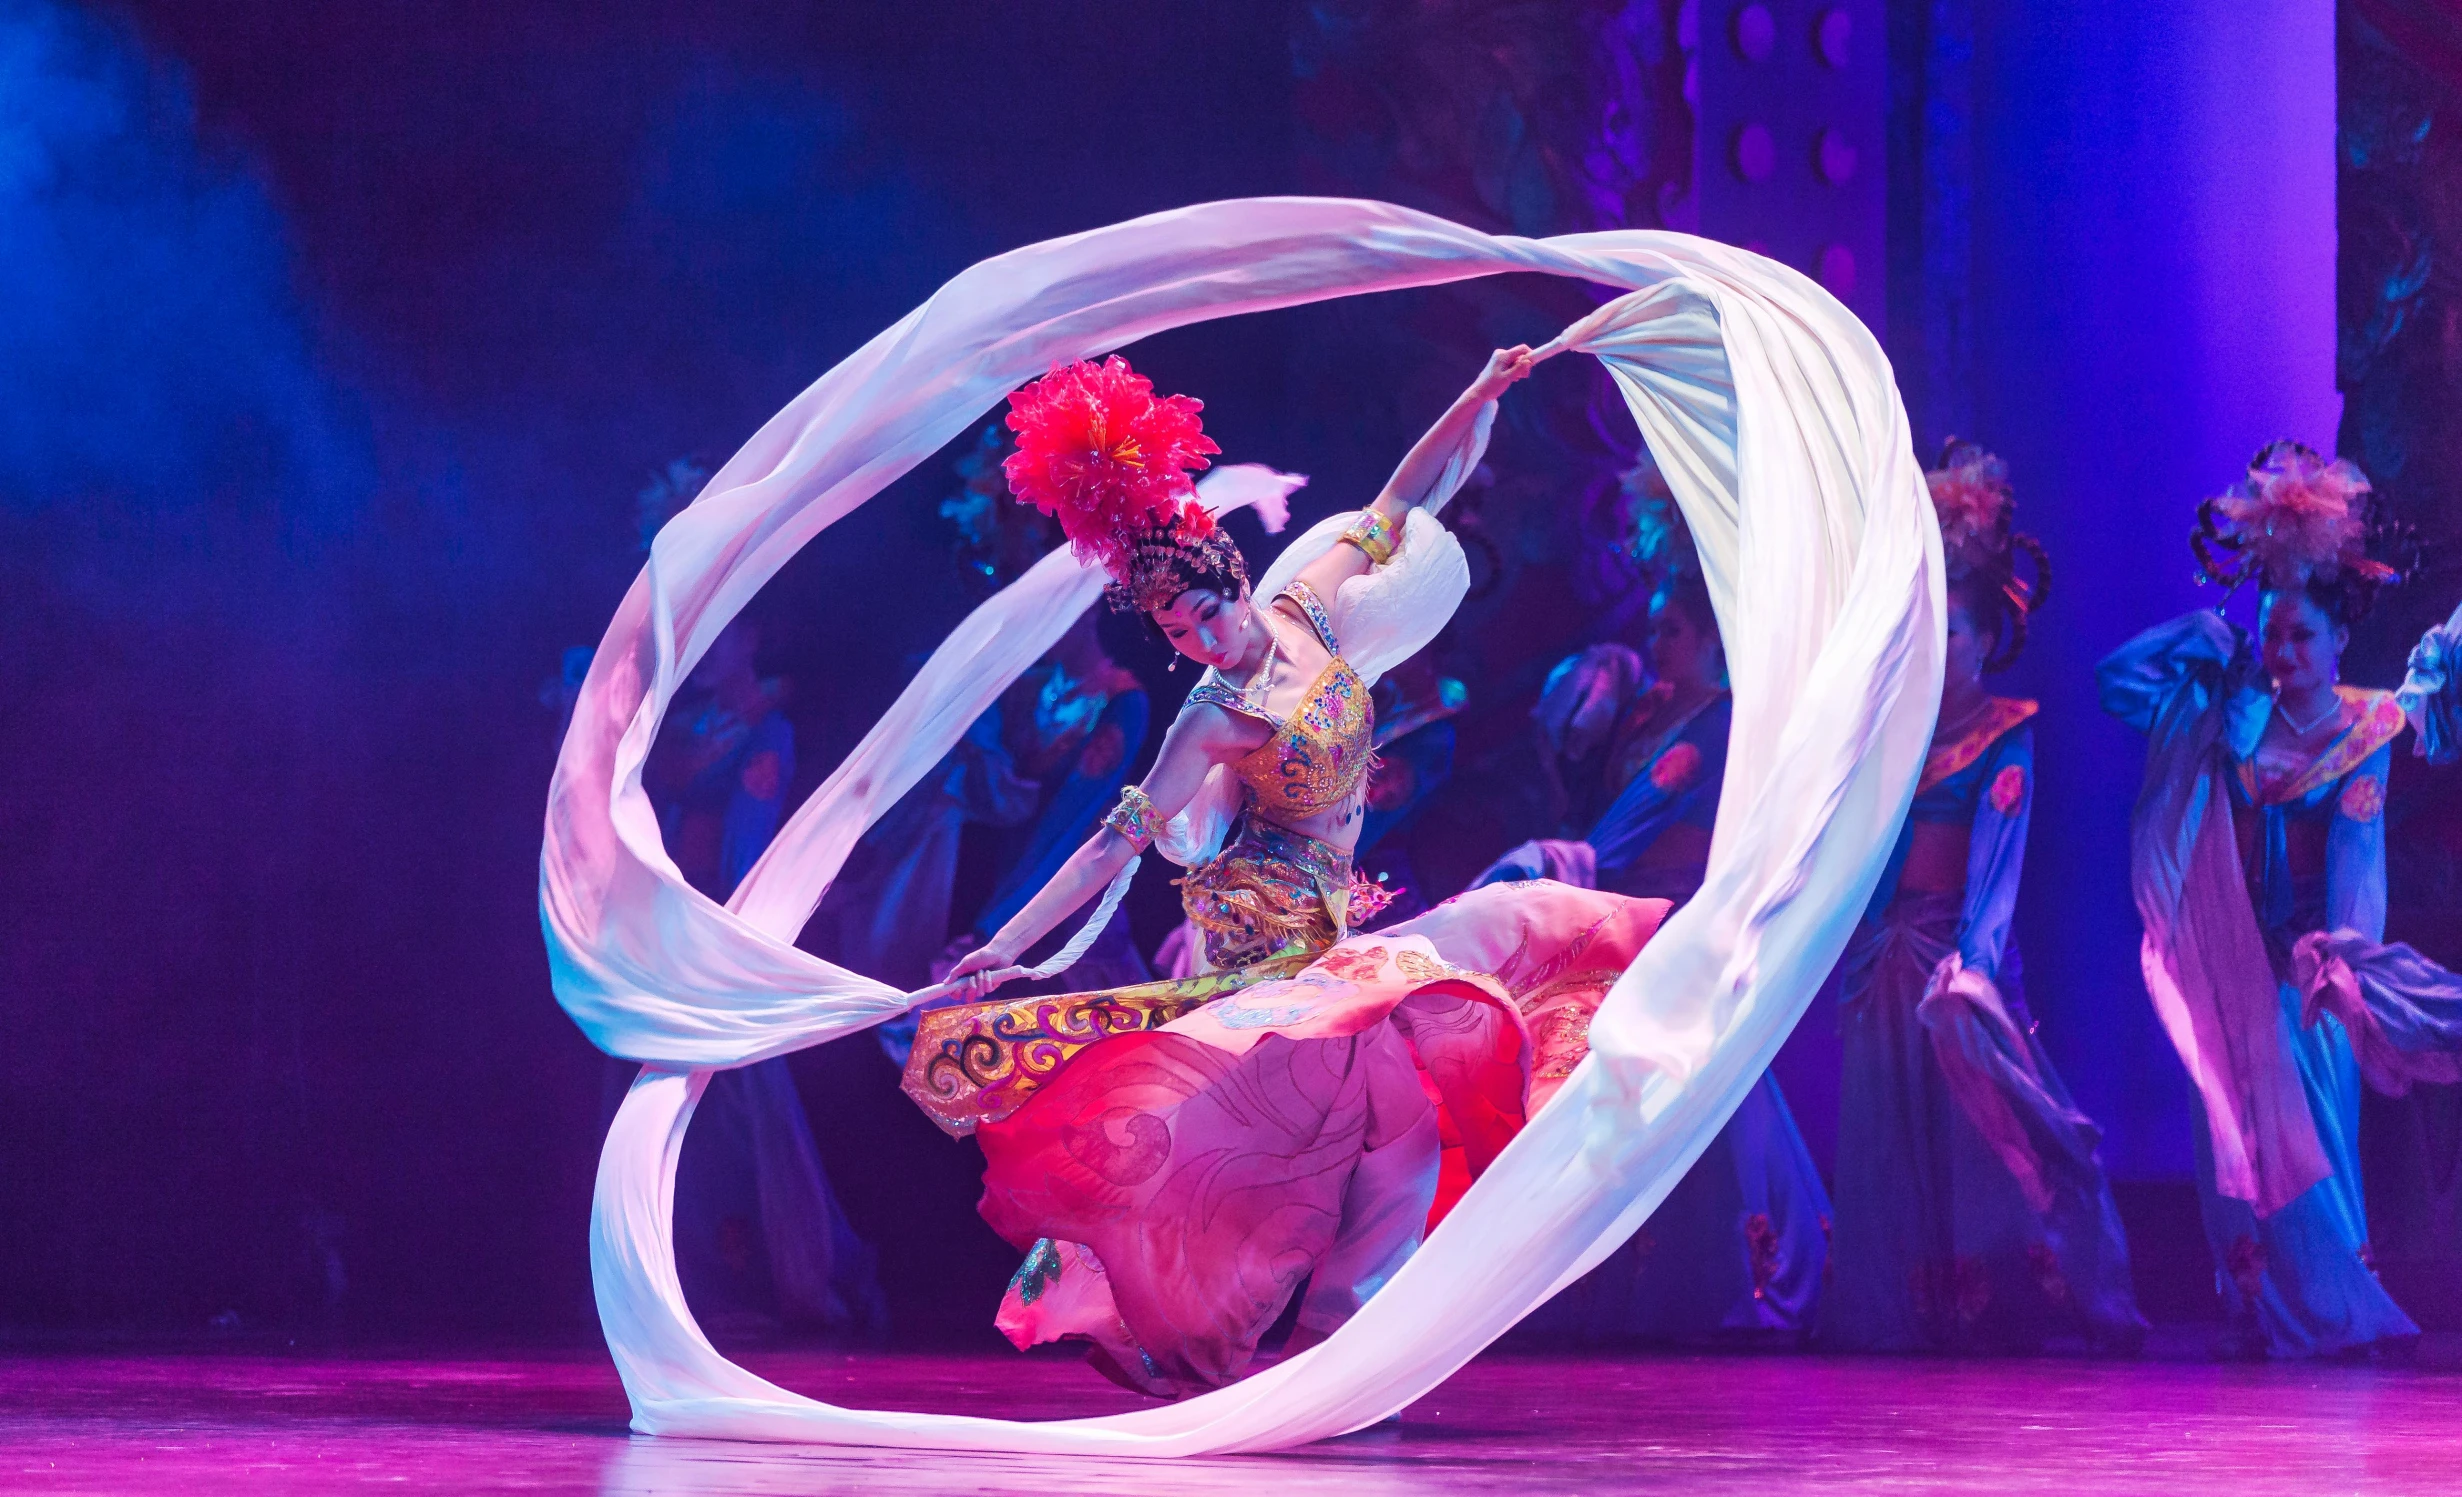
(1100, 452)
(1977, 508)
(2294, 520)
(1163, 563)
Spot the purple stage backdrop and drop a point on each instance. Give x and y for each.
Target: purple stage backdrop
(341, 338)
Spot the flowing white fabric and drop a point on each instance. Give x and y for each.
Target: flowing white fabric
(1772, 413)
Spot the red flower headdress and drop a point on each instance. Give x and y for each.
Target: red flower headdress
(2293, 519)
(1099, 451)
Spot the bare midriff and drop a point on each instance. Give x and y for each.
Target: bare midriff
(1936, 858)
(1337, 827)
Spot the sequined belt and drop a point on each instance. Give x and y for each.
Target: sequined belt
(1273, 892)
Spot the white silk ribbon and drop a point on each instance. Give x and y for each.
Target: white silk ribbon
(1772, 413)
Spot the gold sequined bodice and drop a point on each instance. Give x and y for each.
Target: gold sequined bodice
(1318, 755)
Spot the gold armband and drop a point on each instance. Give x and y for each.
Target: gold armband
(1374, 536)
(1133, 818)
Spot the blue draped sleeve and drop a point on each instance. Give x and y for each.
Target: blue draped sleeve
(1996, 850)
(2355, 850)
(2431, 693)
(757, 801)
(2192, 665)
(1076, 804)
(982, 775)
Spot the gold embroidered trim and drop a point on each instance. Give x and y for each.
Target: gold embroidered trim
(2379, 723)
(979, 1062)
(1947, 759)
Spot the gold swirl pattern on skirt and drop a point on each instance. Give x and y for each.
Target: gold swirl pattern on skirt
(979, 1062)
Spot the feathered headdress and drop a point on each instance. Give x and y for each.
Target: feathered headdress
(1977, 509)
(2294, 519)
(1100, 452)
(1976, 505)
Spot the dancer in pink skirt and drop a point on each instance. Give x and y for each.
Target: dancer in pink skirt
(1177, 1158)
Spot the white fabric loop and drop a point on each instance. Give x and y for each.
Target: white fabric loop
(1772, 413)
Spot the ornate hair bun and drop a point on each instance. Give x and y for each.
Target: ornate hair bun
(1099, 451)
(1163, 563)
(1976, 505)
(1977, 508)
(2294, 519)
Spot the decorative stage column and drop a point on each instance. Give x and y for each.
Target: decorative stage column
(1790, 150)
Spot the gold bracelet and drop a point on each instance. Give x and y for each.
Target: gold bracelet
(1374, 536)
(1133, 818)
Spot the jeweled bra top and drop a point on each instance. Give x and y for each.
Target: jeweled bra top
(1318, 755)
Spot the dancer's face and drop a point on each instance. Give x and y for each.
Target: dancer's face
(1206, 626)
(2303, 645)
(1682, 650)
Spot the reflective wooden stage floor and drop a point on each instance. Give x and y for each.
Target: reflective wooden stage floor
(208, 1423)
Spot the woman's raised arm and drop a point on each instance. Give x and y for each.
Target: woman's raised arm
(1412, 481)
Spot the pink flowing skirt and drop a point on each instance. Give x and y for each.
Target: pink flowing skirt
(1174, 1184)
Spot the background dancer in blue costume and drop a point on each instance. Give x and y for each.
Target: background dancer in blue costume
(2262, 926)
(1074, 725)
(1972, 1209)
(760, 1240)
(1738, 1247)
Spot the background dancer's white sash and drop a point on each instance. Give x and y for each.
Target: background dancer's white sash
(1771, 411)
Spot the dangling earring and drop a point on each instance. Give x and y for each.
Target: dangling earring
(1174, 666)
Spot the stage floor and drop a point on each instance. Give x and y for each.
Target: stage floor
(204, 1424)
